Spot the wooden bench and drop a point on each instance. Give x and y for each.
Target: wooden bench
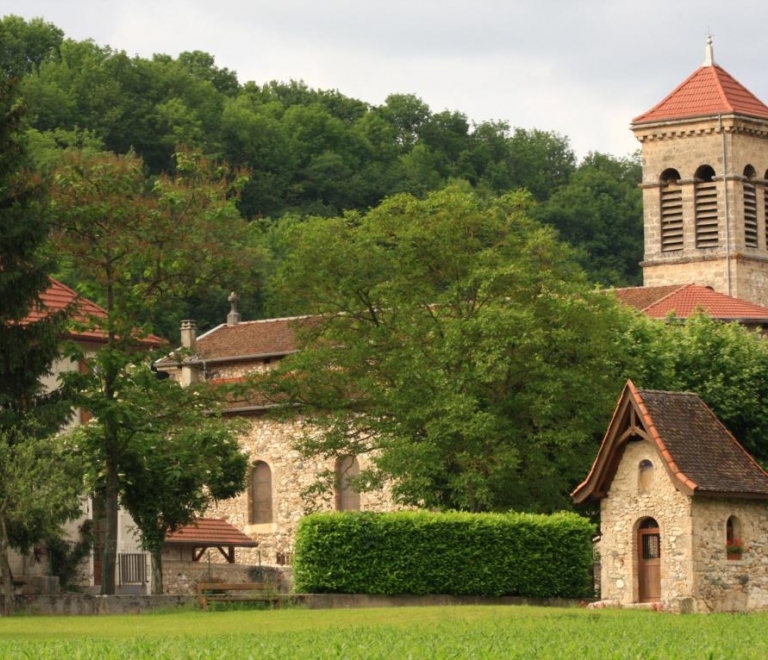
(271, 597)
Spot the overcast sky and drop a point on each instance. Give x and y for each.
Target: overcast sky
(582, 68)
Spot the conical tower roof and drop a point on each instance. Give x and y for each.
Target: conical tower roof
(710, 90)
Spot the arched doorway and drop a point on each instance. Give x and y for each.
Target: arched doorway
(649, 561)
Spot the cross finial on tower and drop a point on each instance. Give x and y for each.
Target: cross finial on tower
(709, 54)
(233, 318)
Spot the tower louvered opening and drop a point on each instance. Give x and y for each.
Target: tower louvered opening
(706, 208)
(671, 212)
(750, 207)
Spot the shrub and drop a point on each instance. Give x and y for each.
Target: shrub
(482, 554)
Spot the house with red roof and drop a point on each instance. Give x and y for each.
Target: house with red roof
(87, 331)
(683, 508)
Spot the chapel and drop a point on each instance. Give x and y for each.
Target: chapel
(683, 508)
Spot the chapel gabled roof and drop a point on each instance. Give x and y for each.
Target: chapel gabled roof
(698, 452)
(684, 300)
(708, 91)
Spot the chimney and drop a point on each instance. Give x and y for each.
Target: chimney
(189, 343)
(189, 335)
(233, 318)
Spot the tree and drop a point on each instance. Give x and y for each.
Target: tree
(26, 349)
(138, 243)
(179, 456)
(41, 485)
(25, 45)
(600, 211)
(726, 364)
(457, 341)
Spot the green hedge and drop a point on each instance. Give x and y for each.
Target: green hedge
(410, 552)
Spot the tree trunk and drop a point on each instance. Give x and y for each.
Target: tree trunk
(157, 571)
(110, 536)
(5, 569)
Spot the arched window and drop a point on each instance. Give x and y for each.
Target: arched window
(750, 207)
(733, 541)
(705, 205)
(347, 498)
(671, 211)
(644, 476)
(261, 493)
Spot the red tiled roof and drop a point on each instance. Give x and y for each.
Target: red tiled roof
(699, 453)
(210, 532)
(267, 337)
(709, 90)
(685, 300)
(58, 297)
(641, 297)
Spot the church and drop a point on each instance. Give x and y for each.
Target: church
(705, 156)
(683, 506)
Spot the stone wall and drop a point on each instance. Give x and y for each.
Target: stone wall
(621, 513)
(181, 577)
(271, 441)
(723, 584)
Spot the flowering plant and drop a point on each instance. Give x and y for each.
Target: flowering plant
(735, 547)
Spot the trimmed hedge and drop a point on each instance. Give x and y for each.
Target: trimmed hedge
(417, 552)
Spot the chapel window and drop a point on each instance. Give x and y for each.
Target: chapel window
(347, 498)
(644, 476)
(705, 205)
(671, 211)
(733, 538)
(750, 207)
(261, 493)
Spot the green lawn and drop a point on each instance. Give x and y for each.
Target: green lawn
(430, 632)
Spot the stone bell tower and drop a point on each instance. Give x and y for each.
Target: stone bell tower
(705, 188)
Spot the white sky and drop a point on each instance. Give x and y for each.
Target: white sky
(583, 68)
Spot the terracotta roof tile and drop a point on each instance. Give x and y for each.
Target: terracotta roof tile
(264, 337)
(210, 532)
(701, 447)
(641, 297)
(684, 300)
(700, 454)
(58, 297)
(709, 90)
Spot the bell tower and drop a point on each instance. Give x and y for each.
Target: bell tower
(705, 185)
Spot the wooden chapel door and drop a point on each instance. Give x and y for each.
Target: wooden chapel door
(649, 561)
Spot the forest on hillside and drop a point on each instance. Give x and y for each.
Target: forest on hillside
(306, 152)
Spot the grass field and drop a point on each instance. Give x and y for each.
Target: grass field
(450, 632)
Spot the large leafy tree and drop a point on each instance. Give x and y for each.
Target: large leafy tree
(455, 339)
(138, 244)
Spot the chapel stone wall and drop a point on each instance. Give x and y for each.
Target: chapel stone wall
(724, 585)
(621, 513)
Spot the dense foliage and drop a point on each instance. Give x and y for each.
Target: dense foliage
(309, 151)
(456, 339)
(413, 552)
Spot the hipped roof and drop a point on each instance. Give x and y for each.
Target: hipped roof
(708, 91)
(698, 452)
(683, 300)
